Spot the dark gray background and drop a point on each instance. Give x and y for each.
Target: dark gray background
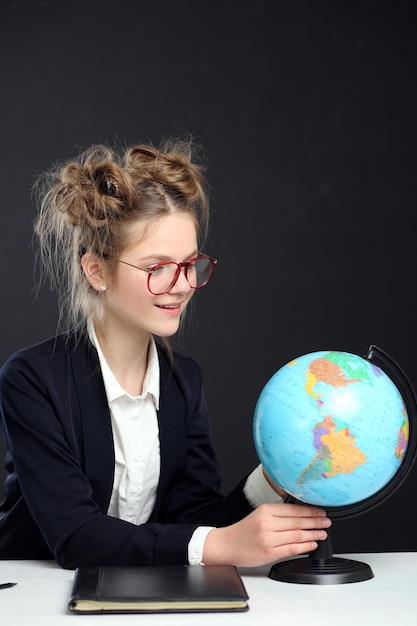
(306, 112)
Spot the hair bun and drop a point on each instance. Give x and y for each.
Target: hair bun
(95, 189)
(171, 166)
(108, 187)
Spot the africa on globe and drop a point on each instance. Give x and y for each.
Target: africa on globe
(331, 428)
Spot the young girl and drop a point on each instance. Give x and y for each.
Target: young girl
(109, 456)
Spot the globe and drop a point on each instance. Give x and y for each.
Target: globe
(333, 429)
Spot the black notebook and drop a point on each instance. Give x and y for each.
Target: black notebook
(158, 589)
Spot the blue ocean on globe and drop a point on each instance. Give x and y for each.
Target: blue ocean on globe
(331, 428)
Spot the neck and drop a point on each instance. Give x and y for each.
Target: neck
(126, 355)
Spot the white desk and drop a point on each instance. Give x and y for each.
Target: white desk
(390, 598)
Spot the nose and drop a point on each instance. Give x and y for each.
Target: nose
(181, 284)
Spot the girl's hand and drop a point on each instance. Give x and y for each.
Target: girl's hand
(270, 533)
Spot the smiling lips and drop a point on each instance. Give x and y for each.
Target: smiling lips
(170, 307)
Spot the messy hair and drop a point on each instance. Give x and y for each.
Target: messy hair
(89, 204)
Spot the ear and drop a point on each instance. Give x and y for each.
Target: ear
(94, 270)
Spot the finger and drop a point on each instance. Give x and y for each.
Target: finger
(310, 523)
(299, 510)
(282, 523)
(299, 537)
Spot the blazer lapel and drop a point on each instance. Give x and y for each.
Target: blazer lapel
(172, 432)
(94, 425)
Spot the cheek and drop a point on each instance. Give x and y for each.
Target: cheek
(131, 292)
(190, 295)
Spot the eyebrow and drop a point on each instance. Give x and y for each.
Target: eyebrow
(161, 258)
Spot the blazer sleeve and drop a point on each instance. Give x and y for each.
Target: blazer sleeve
(48, 485)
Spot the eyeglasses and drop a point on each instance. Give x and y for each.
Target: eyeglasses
(163, 276)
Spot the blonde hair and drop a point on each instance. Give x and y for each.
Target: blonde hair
(89, 205)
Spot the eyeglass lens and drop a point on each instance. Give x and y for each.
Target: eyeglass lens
(165, 275)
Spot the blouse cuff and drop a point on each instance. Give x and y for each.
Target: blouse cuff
(196, 544)
(258, 490)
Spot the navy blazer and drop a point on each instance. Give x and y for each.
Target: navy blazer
(60, 462)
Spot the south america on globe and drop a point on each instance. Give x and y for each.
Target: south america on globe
(331, 428)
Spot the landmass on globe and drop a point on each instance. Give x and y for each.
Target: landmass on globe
(336, 448)
(331, 428)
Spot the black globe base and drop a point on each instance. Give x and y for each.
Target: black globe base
(321, 568)
(334, 571)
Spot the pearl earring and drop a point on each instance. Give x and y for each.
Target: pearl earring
(103, 287)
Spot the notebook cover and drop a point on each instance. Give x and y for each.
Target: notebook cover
(158, 589)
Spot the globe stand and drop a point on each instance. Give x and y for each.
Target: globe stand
(321, 568)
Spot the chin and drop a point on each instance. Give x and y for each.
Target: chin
(167, 332)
